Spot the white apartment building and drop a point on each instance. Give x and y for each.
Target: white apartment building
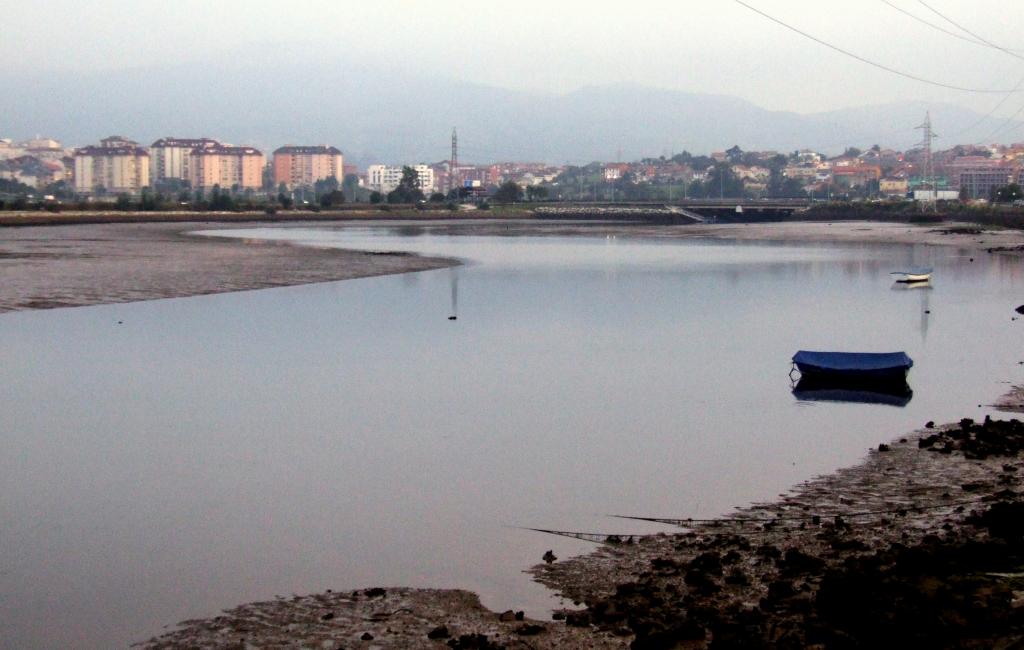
(384, 178)
(169, 157)
(117, 166)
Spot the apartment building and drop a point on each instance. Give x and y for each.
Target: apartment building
(169, 157)
(227, 166)
(384, 179)
(117, 166)
(303, 166)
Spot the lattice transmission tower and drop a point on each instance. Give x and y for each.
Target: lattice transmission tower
(928, 173)
(453, 165)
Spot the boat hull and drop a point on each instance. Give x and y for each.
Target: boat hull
(853, 366)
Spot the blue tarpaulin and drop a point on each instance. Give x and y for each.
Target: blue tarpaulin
(852, 361)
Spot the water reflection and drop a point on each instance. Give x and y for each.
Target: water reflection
(455, 294)
(923, 290)
(893, 393)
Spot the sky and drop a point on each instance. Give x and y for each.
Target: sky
(715, 46)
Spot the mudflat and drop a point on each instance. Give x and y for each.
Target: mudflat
(86, 264)
(69, 266)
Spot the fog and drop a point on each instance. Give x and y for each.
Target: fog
(706, 47)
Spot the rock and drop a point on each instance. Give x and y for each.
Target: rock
(375, 592)
(507, 616)
(530, 630)
(439, 632)
(578, 619)
(366, 636)
(549, 557)
(558, 616)
(328, 616)
(930, 424)
(883, 447)
(1020, 310)
(520, 615)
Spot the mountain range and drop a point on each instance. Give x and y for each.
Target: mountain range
(395, 116)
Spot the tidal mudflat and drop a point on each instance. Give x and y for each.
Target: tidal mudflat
(199, 452)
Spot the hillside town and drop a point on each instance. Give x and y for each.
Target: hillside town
(183, 170)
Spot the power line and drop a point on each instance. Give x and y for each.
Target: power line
(991, 112)
(869, 61)
(986, 42)
(950, 32)
(1004, 125)
(964, 29)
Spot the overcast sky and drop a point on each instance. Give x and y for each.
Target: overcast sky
(715, 46)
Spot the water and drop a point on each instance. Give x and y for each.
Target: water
(214, 450)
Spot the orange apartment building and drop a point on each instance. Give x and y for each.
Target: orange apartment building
(304, 166)
(226, 166)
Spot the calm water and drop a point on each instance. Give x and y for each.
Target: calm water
(213, 450)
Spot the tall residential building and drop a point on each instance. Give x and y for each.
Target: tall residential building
(302, 166)
(117, 166)
(384, 179)
(226, 166)
(169, 157)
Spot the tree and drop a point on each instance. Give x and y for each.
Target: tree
(123, 203)
(536, 193)
(734, 153)
(408, 190)
(509, 192)
(723, 183)
(221, 200)
(284, 200)
(376, 197)
(437, 197)
(852, 152)
(332, 198)
(325, 186)
(8, 186)
(350, 186)
(1008, 193)
(59, 189)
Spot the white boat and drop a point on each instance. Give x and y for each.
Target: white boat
(913, 275)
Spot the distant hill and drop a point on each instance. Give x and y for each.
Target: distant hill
(394, 116)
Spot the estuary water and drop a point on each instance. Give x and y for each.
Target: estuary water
(163, 460)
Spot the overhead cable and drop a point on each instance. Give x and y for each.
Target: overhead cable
(880, 66)
(969, 39)
(964, 29)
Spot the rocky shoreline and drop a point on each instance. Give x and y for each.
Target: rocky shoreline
(920, 545)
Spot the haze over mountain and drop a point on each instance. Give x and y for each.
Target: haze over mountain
(388, 115)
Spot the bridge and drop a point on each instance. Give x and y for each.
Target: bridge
(684, 211)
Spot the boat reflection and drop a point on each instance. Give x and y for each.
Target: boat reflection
(900, 285)
(892, 393)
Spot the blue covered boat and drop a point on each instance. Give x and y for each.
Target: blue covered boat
(853, 365)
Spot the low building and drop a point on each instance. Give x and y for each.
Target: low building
(853, 175)
(979, 182)
(304, 166)
(231, 168)
(169, 157)
(615, 171)
(385, 178)
(894, 186)
(116, 166)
